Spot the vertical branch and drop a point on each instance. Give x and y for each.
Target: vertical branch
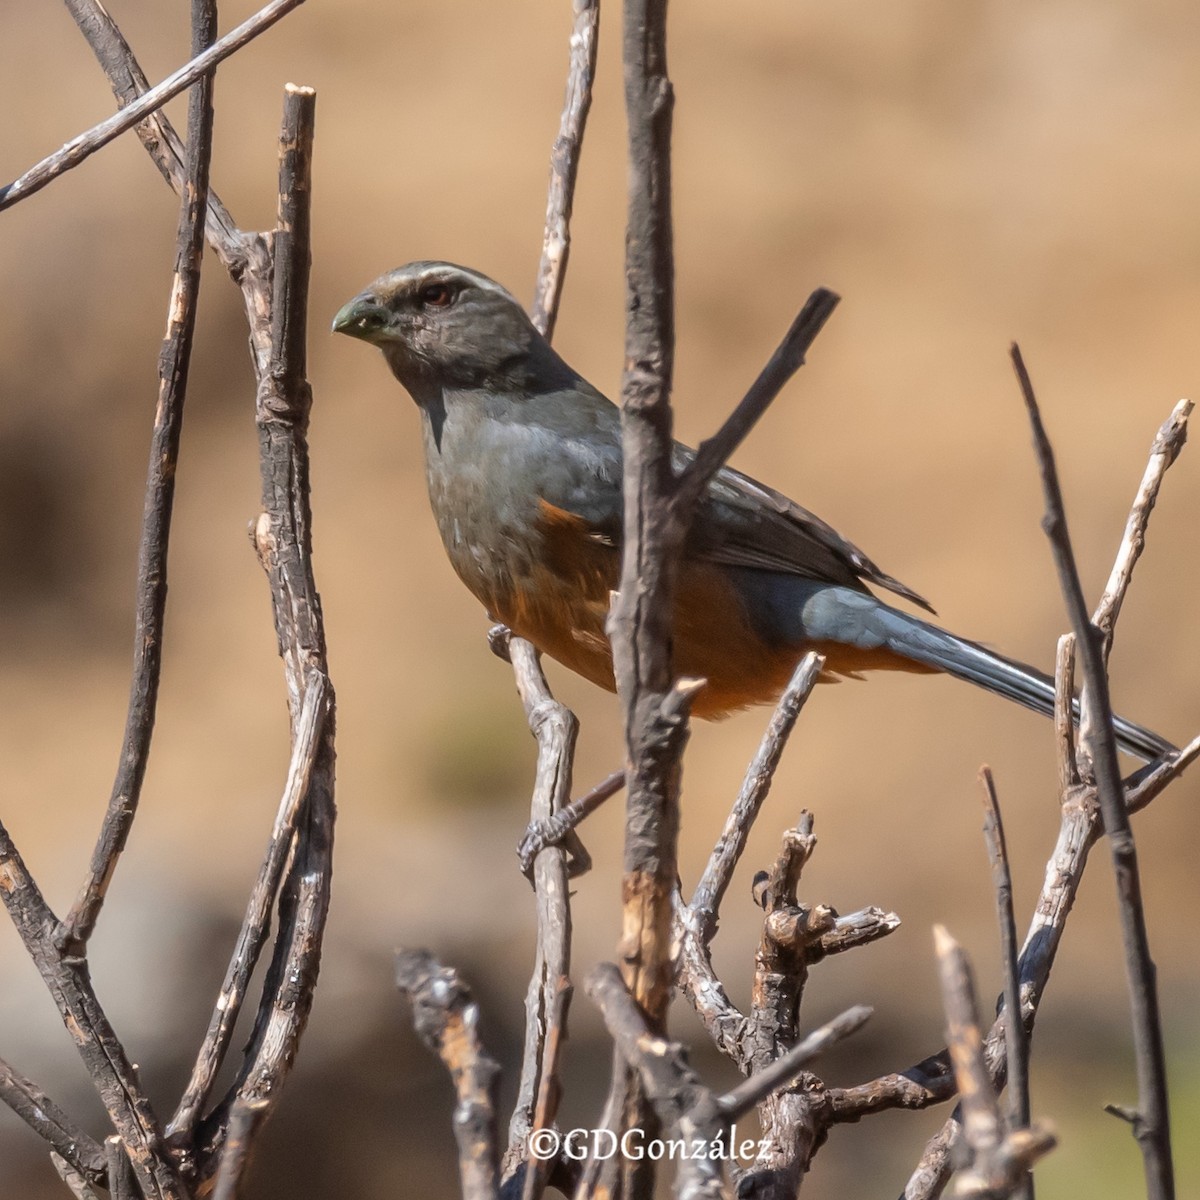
(1151, 1124)
(160, 495)
(553, 724)
(1016, 1039)
(446, 1017)
(641, 612)
(564, 166)
(549, 993)
(283, 537)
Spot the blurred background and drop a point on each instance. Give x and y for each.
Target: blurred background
(964, 175)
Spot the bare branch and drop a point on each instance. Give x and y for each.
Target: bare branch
(121, 1183)
(78, 1183)
(86, 144)
(160, 496)
(788, 358)
(999, 1160)
(853, 930)
(1167, 444)
(1016, 1040)
(564, 166)
(783, 1070)
(640, 619)
(80, 1152)
(706, 900)
(447, 1019)
(69, 983)
(257, 922)
(679, 1097)
(1152, 780)
(283, 537)
(245, 1119)
(549, 993)
(1064, 712)
(1153, 1130)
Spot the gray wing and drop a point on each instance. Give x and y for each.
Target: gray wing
(742, 523)
(747, 524)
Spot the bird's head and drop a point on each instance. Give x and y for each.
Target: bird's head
(441, 326)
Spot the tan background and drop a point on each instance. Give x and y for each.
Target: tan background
(963, 175)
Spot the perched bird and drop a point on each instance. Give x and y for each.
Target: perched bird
(523, 462)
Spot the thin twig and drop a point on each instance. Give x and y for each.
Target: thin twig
(1000, 1159)
(86, 144)
(1152, 1130)
(69, 983)
(82, 1153)
(157, 134)
(783, 1070)
(257, 921)
(283, 537)
(151, 603)
(553, 724)
(447, 1019)
(564, 166)
(706, 899)
(246, 256)
(549, 992)
(1064, 712)
(851, 931)
(1167, 444)
(788, 358)
(1016, 1040)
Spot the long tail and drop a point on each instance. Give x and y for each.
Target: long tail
(874, 624)
(1026, 685)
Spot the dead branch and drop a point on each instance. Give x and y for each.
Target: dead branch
(564, 165)
(447, 1019)
(1152, 1131)
(549, 993)
(69, 982)
(1000, 1159)
(76, 1182)
(714, 452)
(283, 537)
(760, 774)
(86, 144)
(160, 495)
(553, 724)
(1168, 442)
(1017, 1042)
(79, 1152)
(257, 922)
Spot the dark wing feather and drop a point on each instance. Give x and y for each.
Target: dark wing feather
(743, 523)
(751, 525)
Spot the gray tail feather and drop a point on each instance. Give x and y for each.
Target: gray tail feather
(924, 643)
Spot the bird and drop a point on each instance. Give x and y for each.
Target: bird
(523, 462)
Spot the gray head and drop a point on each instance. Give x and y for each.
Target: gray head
(443, 326)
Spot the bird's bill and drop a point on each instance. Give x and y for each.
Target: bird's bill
(363, 317)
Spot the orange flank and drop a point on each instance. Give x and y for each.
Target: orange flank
(562, 611)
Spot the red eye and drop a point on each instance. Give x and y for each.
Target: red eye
(436, 295)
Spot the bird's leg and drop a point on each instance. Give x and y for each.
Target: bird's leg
(560, 828)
